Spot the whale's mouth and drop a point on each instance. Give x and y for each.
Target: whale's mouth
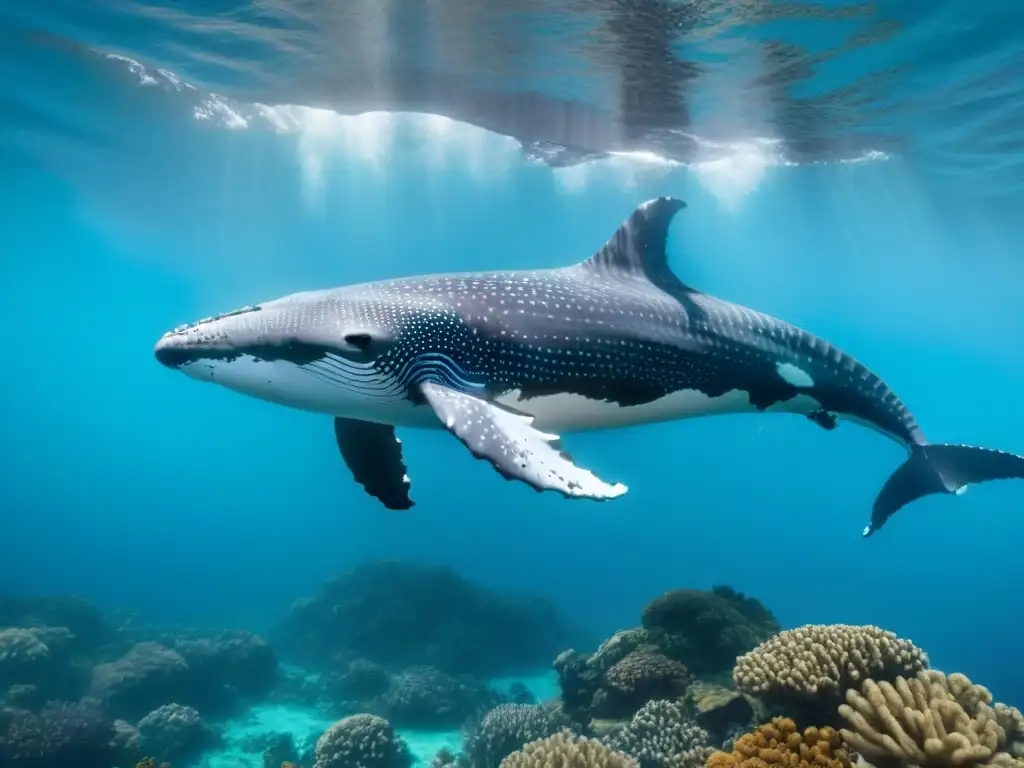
(178, 349)
(212, 343)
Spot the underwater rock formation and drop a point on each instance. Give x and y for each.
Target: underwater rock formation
(142, 680)
(62, 733)
(506, 728)
(780, 744)
(278, 749)
(89, 629)
(566, 750)
(931, 721)
(24, 697)
(225, 666)
(723, 712)
(426, 698)
(662, 735)
(706, 631)
(362, 680)
(361, 740)
(175, 733)
(579, 678)
(41, 657)
(403, 615)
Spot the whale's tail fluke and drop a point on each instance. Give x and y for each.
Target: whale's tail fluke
(940, 468)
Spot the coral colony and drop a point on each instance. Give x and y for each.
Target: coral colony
(709, 680)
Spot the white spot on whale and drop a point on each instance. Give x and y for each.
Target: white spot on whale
(961, 490)
(794, 375)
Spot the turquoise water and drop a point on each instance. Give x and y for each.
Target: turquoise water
(131, 202)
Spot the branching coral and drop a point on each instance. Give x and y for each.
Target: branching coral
(932, 721)
(825, 659)
(662, 735)
(780, 743)
(566, 750)
(1012, 721)
(367, 741)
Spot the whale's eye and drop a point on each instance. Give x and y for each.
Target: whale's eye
(361, 340)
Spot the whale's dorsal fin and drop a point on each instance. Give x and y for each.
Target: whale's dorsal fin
(637, 249)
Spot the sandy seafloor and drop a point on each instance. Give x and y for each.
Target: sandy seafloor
(300, 722)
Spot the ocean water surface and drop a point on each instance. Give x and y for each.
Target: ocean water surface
(856, 169)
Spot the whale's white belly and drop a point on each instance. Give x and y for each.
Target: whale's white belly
(565, 412)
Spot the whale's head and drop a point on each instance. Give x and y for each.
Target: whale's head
(324, 351)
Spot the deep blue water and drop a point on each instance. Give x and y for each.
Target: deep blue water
(129, 208)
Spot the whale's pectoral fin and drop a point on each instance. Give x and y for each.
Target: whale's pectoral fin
(374, 455)
(824, 419)
(513, 446)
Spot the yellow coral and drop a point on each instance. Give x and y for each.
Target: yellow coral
(779, 743)
(931, 720)
(567, 750)
(820, 659)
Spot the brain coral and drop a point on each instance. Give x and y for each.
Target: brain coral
(643, 675)
(932, 721)
(366, 741)
(565, 750)
(779, 743)
(825, 658)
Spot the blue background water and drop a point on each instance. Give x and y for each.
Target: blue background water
(121, 215)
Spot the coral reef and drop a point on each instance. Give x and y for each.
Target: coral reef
(685, 631)
(62, 733)
(89, 631)
(403, 615)
(506, 728)
(411, 647)
(24, 697)
(643, 675)
(279, 750)
(706, 631)
(424, 697)
(41, 657)
(225, 666)
(146, 677)
(931, 721)
(780, 743)
(723, 712)
(362, 740)
(579, 678)
(566, 750)
(362, 680)
(662, 735)
(175, 733)
(820, 661)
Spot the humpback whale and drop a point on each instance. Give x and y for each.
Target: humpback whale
(506, 361)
